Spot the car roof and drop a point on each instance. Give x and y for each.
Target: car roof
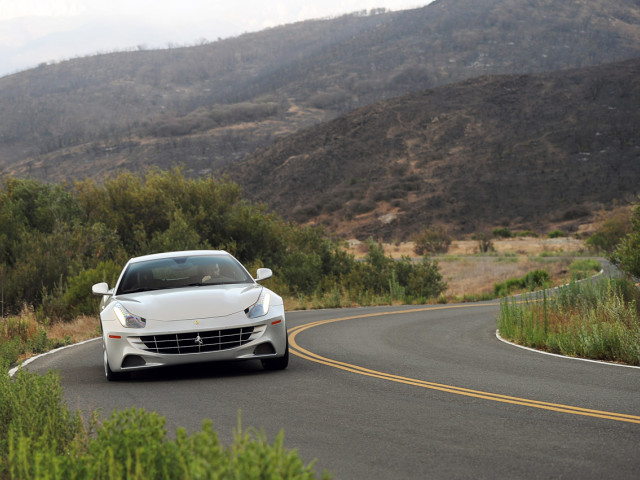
(186, 253)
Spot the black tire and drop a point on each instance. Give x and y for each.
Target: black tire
(278, 363)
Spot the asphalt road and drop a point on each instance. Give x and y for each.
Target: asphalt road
(397, 392)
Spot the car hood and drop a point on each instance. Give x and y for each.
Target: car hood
(192, 302)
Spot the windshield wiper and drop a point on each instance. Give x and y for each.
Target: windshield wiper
(138, 290)
(205, 284)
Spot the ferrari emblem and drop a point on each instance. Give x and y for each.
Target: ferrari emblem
(198, 340)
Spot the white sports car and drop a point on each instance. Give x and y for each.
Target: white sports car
(193, 306)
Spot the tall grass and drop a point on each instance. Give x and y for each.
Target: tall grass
(24, 335)
(597, 320)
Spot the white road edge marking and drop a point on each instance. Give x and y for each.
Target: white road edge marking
(13, 371)
(562, 356)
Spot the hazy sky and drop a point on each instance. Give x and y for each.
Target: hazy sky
(36, 31)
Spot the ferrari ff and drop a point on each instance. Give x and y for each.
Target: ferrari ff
(186, 307)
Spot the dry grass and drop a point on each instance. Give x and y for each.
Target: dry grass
(469, 273)
(78, 330)
(477, 275)
(522, 246)
(26, 327)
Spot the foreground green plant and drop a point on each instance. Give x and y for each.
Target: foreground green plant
(597, 320)
(41, 439)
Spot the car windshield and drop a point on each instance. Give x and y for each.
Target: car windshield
(179, 272)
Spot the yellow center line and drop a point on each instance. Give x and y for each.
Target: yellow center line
(299, 351)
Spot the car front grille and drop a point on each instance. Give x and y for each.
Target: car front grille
(197, 342)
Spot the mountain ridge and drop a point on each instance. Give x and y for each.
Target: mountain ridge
(210, 106)
(525, 151)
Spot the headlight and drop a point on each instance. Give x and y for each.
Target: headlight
(127, 319)
(261, 307)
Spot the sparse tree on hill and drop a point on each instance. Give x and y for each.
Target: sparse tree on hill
(432, 240)
(485, 243)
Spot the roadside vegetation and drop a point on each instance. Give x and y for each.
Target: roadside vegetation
(531, 281)
(57, 240)
(581, 269)
(40, 438)
(596, 319)
(540, 279)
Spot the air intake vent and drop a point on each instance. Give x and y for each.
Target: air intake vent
(133, 361)
(264, 349)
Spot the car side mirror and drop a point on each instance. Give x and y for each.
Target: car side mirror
(101, 289)
(263, 274)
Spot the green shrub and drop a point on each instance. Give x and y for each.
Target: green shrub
(530, 281)
(527, 233)
(556, 234)
(252, 457)
(32, 418)
(68, 239)
(424, 279)
(39, 343)
(402, 280)
(609, 235)
(536, 278)
(56, 241)
(627, 253)
(75, 298)
(10, 350)
(431, 241)
(502, 232)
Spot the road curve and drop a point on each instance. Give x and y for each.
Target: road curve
(398, 392)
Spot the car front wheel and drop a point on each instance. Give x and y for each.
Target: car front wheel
(111, 375)
(279, 363)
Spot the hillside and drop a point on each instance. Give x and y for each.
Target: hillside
(524, 151)
(210, 105)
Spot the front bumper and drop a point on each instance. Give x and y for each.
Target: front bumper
(234, 337)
